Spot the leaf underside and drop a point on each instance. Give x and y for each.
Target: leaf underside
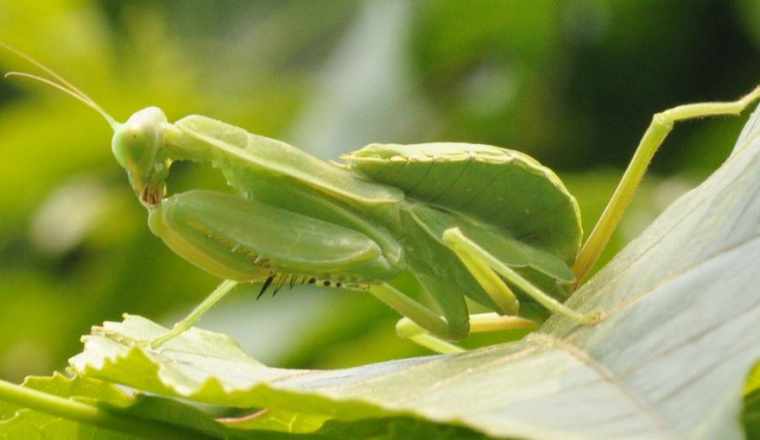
(669, 361)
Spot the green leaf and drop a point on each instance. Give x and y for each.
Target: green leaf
(24, 424)
(669, 360)
(751, 415)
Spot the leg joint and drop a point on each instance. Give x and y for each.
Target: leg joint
(662, 120)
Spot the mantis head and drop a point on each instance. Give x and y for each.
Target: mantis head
(136, 143)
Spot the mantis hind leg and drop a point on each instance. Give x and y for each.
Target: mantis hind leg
(430, 330)
(479, 323)
(662, 123)
(424, 323)
(474, 256)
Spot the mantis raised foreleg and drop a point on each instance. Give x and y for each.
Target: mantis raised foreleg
(661, 125)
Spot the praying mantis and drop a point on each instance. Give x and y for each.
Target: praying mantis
(466, 222)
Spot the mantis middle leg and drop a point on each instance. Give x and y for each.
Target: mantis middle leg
(428, 329)
(182, 326)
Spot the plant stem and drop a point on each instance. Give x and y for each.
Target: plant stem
(92, 415)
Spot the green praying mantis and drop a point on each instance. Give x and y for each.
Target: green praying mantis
(466, 221)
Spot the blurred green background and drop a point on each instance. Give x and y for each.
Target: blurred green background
(572, 83)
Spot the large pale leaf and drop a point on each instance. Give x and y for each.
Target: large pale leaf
(669, 361)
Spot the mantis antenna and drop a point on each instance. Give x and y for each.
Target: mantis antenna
(62, 85)
(111, 121)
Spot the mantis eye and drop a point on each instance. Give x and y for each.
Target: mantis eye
(136, 142)
(131, 146)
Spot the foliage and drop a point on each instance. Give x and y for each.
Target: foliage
(669, 301)
(572, 84)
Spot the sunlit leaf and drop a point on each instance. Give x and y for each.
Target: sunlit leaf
(18, 423)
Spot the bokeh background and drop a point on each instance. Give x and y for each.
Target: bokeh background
(572, 83)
